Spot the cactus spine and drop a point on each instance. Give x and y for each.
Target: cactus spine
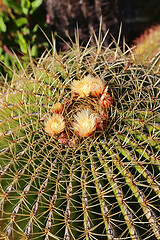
(69, 184)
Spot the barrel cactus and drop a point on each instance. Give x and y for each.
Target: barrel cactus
(80, 147)
(147, 46)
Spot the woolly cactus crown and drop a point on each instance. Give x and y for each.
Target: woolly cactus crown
(81, 166)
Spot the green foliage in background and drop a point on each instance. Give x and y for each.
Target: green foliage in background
(19, 27)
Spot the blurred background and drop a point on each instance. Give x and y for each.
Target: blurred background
(21, 22)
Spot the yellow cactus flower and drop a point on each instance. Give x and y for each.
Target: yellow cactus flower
(85, 123)
(81, 87)
(55, 124)
(88, 86)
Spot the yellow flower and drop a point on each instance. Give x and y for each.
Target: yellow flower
(88, 86)
(81, 87)
(85, 123)
(55, 124)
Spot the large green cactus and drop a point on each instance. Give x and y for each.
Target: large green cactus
(105, 185)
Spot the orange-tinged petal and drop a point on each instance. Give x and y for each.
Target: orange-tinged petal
(106, 100)
(97, 86)
(57, 107)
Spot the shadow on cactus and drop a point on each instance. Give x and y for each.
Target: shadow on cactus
(80, 146)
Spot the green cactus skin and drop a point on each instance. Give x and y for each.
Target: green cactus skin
(108, 185)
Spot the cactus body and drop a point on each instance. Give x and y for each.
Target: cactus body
(102, 186)
(147, 46)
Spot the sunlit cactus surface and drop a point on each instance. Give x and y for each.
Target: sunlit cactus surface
(147, 46)
(80, 147)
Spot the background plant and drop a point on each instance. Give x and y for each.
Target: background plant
(147, 46)
(19, 28)
(104, 186)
